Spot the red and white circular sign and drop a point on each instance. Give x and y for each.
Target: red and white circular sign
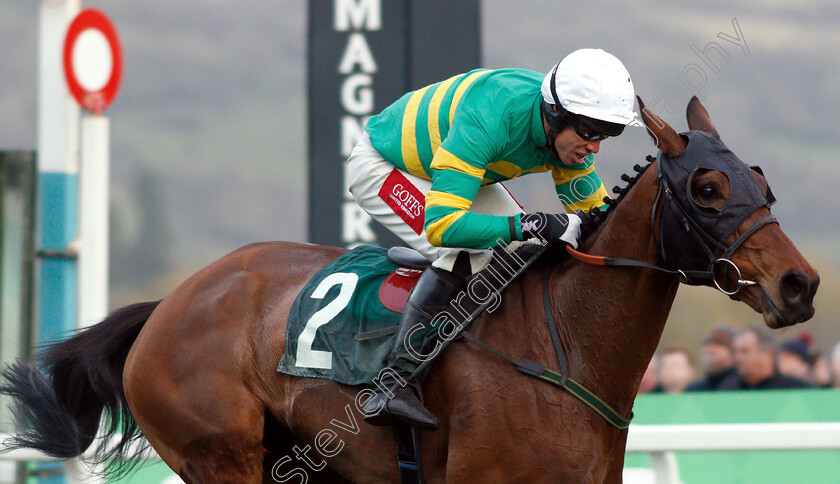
(92, 60)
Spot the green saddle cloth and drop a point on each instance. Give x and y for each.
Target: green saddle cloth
(340, 301)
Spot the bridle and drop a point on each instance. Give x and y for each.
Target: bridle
(682, 224)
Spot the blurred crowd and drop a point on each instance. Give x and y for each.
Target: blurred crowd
(746, 359)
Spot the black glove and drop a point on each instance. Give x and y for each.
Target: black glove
(552, 227)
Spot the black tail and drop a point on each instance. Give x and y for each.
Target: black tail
(58, 402)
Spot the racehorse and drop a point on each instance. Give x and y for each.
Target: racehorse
(196, 371)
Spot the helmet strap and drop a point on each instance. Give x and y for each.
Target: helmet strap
(553, 131)
(557, 121)
(549, 143)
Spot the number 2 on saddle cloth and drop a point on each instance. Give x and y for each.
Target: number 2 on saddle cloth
(360, 293)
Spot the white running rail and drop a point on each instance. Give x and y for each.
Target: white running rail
(661, 441)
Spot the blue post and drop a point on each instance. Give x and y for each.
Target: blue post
(57, 294)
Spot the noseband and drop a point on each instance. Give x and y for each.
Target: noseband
(692, 238)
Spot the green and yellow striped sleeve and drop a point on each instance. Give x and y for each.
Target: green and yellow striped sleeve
(455, 183)
(579, 188)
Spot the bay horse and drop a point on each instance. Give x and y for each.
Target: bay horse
(196, 371)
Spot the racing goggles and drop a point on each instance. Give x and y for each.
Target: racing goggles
(590, 129)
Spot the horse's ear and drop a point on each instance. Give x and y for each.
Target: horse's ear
(698, 117)
(663, 136)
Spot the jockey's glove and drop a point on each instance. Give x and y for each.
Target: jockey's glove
(551, 227)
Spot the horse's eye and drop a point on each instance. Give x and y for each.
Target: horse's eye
(707, 192)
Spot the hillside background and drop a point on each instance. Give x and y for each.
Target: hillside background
(209, 129)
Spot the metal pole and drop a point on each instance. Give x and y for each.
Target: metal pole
(93, 223)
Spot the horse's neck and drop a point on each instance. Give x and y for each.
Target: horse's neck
(611, 319)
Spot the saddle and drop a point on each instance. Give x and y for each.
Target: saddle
(394, 291)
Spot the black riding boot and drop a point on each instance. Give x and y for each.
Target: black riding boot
(395, 396)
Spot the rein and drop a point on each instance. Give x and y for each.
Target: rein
(576, 389)
(561, 379)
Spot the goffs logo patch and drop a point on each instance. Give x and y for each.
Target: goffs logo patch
(405, 200)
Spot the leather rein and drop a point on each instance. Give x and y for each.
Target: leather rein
(561, 378)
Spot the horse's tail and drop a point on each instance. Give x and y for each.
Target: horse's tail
(58, 403)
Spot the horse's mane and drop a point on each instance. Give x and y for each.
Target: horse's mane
(596, 217)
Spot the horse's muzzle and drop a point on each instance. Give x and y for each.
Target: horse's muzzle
(797, 293)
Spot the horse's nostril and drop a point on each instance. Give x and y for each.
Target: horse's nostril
(814, 285)
(796, 289)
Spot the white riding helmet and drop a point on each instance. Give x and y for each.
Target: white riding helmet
(591, 83)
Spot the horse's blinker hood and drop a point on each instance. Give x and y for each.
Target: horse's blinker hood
(694, 237)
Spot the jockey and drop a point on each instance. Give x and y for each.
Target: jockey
(428, 169)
